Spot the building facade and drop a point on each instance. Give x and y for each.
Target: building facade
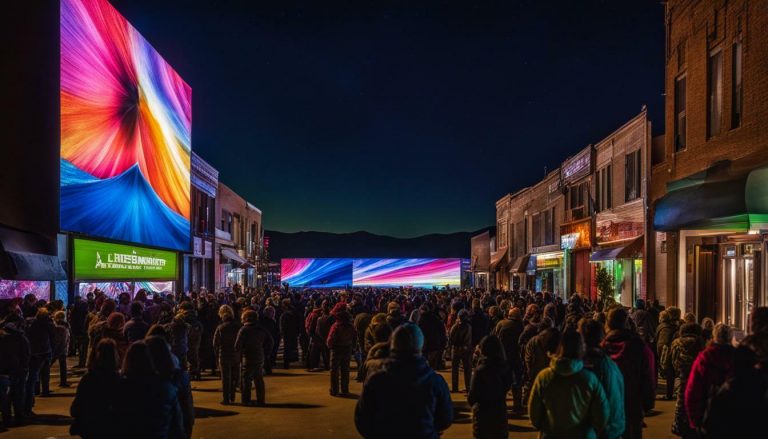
(238, 240)
(710, 191)
(577, 228)
(545, 269)
(199, 268)
(480, 261)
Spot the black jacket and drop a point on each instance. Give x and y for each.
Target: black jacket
(135, 329)
(509, 332)
(41, 336)
(224, 341)
(433, 329)
(481, 326)
(94, 408)
(405, 400)
(252, 343)
(487, 397)
(148, 407)
(14, 351)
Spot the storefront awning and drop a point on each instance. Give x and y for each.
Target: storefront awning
(233, 255)
(628, 251)
(713, 200)
(26, 256)
(497, 258)
(521, 264)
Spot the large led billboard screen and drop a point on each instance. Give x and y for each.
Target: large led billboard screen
(342, 272)
(95, 260)
(126, 123)
(316, 273)
(423, 273)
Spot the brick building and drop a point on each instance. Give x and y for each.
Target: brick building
(238, 239)
(709, 191)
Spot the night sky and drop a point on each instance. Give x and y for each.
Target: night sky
(402, 118)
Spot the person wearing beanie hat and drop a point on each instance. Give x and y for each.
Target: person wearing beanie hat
(407, 398)
(460, 340)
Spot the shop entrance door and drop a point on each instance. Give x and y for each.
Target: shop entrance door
(706, 281)
(741, 283)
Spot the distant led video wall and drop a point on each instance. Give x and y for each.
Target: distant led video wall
(126, 123)
(422, 273)
(341, 272)
(316, 273)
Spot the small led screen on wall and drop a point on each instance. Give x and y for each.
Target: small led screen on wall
(126, 122)
(339, 273)
(316, 273)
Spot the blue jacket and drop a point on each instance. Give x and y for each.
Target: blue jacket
(609, 375)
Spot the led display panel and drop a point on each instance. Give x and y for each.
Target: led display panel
(126, 123)
(95, 260)
(420, 272)
(316, 273)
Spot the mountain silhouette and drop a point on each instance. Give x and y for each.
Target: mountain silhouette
(367, 245)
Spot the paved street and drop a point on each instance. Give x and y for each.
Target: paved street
(298, 407)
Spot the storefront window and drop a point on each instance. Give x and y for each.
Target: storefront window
(10, 289)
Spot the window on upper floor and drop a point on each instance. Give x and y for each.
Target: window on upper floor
(737, 92)
(604, 189)
(714, 92)
(633, 166)
(680, 115)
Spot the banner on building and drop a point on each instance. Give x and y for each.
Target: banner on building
(95, 260)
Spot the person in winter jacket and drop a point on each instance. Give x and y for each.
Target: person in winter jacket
(738, 408)
(179, 330)
(361, 322)
(636, 362)
(376, 359)
(317, 346)
(666, 332)
(757, 340)
(713, 366)
(252, 344)
(94, 408)
(460, 340)
(567, 400)
(538, 354)
(289, 331)
(78, 320)
(644, 322)
(193, 339)
(684, 351)
(269, 323)
(340, 341)
(226, 355)
(150, 402)
(113, 329)
(136, 328)
(14, 364)
(61, 345)
(481, 324)
(407, 398)
(607, 373)
(166, 368)
(508, 331)
(378, 331)
(488, 391)
(395, 317)
(435, 336)
(42, 338)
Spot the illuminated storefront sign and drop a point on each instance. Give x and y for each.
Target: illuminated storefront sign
(102, 260)
(577, 167)
(619, 224)
(549, 260)
(576, 236)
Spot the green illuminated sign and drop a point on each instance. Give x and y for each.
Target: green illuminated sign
(102, 260)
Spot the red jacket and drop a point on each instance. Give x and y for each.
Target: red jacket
(712, 367)
(636, 362)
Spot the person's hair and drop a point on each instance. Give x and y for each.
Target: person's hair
(665, 317)
(707, 323)
(571, 345)
(722, 334)
(116, 320)
(407, 340)
(138, 361)
(759, 320)
(157, 330)
(42, 312)
(226, 313)
(161, 356)
(137, 309)
(551, 338)
(269, 312)
(690, 329)
(104, 357)
(60, 316)
(674, 313)
(617, 318)
(250, 316)
(690, 317)
(491, 348)
(592, 332)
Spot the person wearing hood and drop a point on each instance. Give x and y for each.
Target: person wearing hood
(376, 359)
(341, 340)
(378, 331)
(644, 322)
(252, 344)
(636, 362)
(407, 398)
(488, 391)
(460, 339)
(568, 401)
(607, 373)
(666, 332)
(713, 366)
(684, 351)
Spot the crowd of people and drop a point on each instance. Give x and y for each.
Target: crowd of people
(577, 368)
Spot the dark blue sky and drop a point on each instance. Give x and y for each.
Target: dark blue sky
(402, 118)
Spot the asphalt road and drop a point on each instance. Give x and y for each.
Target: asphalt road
(298, 406)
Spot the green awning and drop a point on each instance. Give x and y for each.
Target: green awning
(712, 201)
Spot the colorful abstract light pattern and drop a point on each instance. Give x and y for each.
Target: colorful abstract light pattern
(335, 273)
(316, 273)
(10, 289)
(126, 123)
(423, 273)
